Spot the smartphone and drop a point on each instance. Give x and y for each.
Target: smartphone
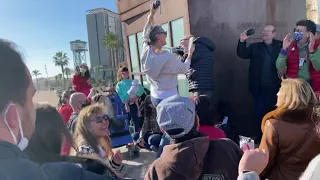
(156, 4)
(250, 32)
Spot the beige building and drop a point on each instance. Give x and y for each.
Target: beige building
(312, 10)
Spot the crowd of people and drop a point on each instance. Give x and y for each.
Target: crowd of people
(193, 137)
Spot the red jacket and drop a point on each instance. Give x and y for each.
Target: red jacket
(65, 111)
(212, 132)
(293, 66)
(81, 84)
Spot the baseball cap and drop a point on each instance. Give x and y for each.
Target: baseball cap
(176, 112)
(318, 28)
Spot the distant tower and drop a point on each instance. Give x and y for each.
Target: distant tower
(79, 49)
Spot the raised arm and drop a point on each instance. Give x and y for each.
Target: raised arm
(147, 27)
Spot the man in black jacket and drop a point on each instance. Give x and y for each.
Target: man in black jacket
(200, 74)
(17, 121)
(264, 82)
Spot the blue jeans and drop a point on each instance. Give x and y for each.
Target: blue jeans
(133, 116)
(155, 101)
(165, 140)
(152, 140)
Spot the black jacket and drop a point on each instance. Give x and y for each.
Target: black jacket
(200, 74)
(15, 165)
(257, 52)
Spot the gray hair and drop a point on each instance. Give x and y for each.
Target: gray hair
(152, 34)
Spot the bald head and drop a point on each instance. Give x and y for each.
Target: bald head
(77, 100)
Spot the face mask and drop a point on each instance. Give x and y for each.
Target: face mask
(297, 36)
(24, 141)
(83, 70)
(87, 103)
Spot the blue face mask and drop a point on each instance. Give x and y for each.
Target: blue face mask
(297, 36)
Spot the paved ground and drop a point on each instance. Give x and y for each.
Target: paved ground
(135, 168)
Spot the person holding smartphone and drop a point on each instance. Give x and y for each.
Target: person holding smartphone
(161, 66)
(264, 82)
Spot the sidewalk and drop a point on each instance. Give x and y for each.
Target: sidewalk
(136, 168)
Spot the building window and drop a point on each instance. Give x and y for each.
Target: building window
(177, 29)
(140, 41)
(165, 27)
(134, 53)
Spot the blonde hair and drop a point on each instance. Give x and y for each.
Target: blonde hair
(83, 136)
(296, 94)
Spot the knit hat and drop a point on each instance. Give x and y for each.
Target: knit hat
(176, 112)
(135, 88)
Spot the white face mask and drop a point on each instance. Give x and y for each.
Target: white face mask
(23, 143)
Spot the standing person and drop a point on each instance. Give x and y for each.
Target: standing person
(264, 82)
(78, 101)
(64, 106)
(81, 80)
(200, 74)
(123, 86)
(299, 57)
(17, 123)
(192, 155)
(161, 66)
(289, 132)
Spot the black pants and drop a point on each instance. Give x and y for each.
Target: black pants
(264, 101)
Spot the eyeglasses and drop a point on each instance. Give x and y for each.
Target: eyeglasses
(100, 119)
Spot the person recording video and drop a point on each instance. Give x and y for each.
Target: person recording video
(161, 67)
(200, 74)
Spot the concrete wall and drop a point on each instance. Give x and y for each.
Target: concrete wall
(222, 22)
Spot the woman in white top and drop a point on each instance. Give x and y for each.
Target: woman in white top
(161, 67)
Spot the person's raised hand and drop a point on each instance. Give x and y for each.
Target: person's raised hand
(312, 40)
(243, 36)
(254, 160)
(191, 49)
(287, 41)
(117, 157)
(153, 11)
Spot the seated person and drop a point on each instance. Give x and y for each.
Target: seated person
(207, 114)
(90, 135)
(150, 134)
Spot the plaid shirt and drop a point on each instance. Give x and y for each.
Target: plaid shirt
(150, 124)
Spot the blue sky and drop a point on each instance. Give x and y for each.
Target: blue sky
(40, 28)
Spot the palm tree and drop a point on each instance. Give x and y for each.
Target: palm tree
(61, 59)
(67, 72)
(36, 73)
(113, 42)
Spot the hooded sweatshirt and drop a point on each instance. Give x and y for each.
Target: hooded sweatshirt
(197, 158)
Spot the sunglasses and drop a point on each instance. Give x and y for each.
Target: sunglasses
(100, 119)
(164, 32)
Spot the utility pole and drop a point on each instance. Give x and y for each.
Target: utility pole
(47, 82)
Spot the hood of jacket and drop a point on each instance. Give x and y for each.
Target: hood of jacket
(186, 158)
(206, 42)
